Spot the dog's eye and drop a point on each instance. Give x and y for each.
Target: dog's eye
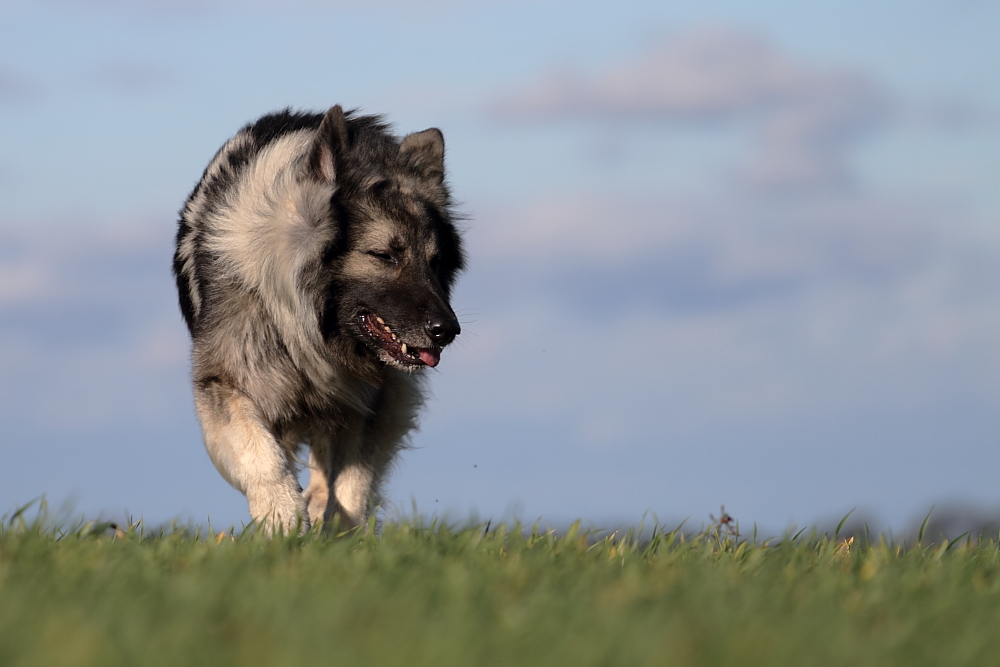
(384, 256)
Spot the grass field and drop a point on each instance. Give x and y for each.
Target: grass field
(431, 594)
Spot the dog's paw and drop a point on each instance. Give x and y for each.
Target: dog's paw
(279, 514)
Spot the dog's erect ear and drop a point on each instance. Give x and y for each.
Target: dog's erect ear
(424, 151)
(331, 141)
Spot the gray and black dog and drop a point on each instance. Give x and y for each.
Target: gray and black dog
(314, 263)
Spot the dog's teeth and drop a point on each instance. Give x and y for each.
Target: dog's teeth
(386, 327)
(394, 336)
(403, 348)
(379, 320)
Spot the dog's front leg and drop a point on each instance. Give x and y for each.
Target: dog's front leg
(341, 481)
(317, 493)
(247, 454)
(352, 491)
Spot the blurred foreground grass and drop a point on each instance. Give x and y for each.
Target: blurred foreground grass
(432, 594)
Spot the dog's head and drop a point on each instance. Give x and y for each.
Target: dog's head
(396, 252)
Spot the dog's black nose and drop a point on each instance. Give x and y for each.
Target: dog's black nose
(443, 330)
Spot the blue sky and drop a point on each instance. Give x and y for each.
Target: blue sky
(724, 253)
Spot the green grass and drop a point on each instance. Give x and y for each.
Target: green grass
(433, 594)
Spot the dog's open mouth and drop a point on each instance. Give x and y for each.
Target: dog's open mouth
(384, 338)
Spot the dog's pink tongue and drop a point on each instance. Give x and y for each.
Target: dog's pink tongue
(430, 357)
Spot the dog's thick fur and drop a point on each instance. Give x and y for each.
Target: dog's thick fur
(314, 265)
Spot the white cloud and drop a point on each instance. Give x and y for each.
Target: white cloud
(727, 239)
(22, 282)
(616, 313)
(617, 372)
(89, 329)
(699, 74)
(804, 116)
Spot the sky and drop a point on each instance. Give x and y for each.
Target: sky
(719, 253)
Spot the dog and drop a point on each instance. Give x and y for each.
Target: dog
(314, 263)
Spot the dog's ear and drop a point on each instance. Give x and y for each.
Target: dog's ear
(329, 145)
(424, 153)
